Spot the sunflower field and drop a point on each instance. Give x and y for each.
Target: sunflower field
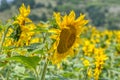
(65, 47)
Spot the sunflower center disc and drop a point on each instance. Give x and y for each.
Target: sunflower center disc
(67, 39)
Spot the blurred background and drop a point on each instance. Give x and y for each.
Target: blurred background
(104, 14)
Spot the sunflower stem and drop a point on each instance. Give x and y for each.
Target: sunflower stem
(3, 37)
(44, 70)
(2, 77)
(37, 75)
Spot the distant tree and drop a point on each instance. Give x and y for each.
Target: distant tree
(49, 5)
(97, 14)
(43, 17)
(59, 2)
(64, 8)
(39, 5)
(78, 11)
(4, 5)
(55, 9)
(34, 17)
(26, 2)
(113, 22)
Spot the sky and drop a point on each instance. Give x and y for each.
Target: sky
(7, 1)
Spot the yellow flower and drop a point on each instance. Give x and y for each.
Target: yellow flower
(86, 63)
(88, 47)
(67, 37)
(117, 34)
(118, 48)
(22, 17)
(100, 58)
(26, 30)
(22, 20)
(26, 36)
(21, 51)
(95, 38)
(24, 11)
(89, 72)
(8, 41)
(97, 73)
(35, 40)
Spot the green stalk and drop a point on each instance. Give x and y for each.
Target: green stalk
(111, 65)
(8, 74)
(2, 77)
(3, 37)
(44, 70)
(37, 75)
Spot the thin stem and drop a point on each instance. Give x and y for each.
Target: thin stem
(111, 65)
(2, 77)
(8, 74)
(44, 70)
(3, 37)
(37, 75)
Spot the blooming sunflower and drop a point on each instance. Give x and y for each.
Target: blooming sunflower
(24, 26)
(67, 36)
(22, 18)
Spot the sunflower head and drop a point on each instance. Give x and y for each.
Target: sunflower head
(24, 11)
(22, 18)
(67, 36)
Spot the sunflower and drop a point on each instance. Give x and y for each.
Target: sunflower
(22, 18)
(67, 36)
(24, 27)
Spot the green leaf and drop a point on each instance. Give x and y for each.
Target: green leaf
(29, 79)
(2, 64)
(30, 62)
(34, 48)
(41, 29)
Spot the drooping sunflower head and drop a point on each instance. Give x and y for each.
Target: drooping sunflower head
(67, 37)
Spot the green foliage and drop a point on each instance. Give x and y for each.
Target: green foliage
(30, 62)
(16, 33)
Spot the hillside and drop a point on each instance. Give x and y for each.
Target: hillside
(100, 12)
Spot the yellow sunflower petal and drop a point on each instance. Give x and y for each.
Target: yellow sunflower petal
(57, 18)
(71, 16)
(54, 31)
